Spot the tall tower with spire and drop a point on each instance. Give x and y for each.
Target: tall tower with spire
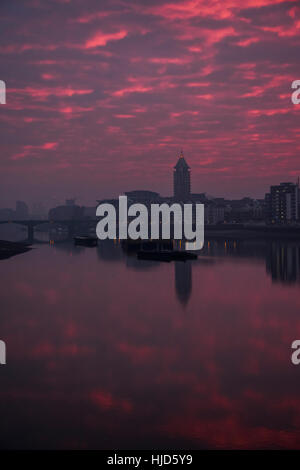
(182, 180)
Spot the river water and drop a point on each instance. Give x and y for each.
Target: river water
(108, 352)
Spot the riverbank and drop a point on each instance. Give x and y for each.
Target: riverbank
(240, 231)
(9, 249)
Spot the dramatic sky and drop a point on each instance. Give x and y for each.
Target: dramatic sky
(103, 94)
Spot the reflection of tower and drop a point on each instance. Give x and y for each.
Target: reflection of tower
(182, 180)
(283, 261)
(109, 250)
(183, 281)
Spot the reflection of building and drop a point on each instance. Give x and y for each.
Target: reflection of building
(283, 261)
(282, 203)
(109, 250)
(183, 281)
(182, 180)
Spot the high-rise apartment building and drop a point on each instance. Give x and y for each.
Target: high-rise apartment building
(282, 203)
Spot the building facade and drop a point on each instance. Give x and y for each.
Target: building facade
(282, 203)
(66, 212)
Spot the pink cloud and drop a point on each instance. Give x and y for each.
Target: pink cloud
(132, 89)
(49, 145)
(270, 112)
(34, 150)
(124, 116)
(101, 39)
(206, 8)
(106, 401)
(170, 60)
(43, 93)
(74, 110)
(91, 17)
(197, 84)
(247, 42)
(284, 30)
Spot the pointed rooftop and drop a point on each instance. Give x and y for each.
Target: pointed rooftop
(181, 163)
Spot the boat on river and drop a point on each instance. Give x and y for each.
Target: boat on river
(86, 241)
(166, 255)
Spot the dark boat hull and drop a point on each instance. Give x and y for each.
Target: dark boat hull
(86, 241)
(146, 245)
(166, 256)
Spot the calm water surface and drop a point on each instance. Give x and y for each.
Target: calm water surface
(105, 351)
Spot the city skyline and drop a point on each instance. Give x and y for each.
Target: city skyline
(118, 89)
(183, 193)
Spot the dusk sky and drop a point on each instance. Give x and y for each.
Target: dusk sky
(103, 95)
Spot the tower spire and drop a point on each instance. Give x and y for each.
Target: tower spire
(182, 183)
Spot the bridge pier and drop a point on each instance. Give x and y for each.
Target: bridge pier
(30, 232)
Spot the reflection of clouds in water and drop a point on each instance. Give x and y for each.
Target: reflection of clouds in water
(115, 357)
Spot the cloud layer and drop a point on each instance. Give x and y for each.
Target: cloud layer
(101, 98)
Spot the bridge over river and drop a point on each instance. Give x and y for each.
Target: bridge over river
(72, 225)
